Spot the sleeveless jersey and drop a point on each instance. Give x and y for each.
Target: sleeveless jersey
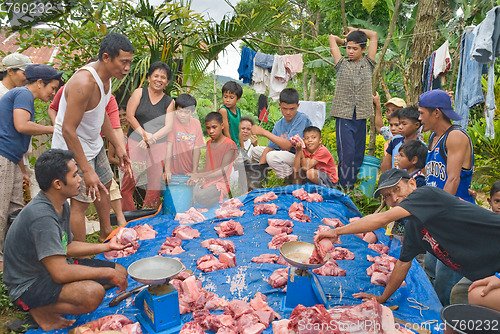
(435, 168)
(234, 124)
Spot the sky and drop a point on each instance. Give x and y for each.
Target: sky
(216, 9)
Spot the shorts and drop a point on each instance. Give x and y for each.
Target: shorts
(44, 291)
(101, 167)
(114, 191)
(325, 180)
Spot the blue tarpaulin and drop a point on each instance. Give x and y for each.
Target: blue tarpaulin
(247, 278)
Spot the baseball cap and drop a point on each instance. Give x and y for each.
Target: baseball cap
(15, 60)
(44, 72)
(390, 178)
(397, 102)
(438, 98)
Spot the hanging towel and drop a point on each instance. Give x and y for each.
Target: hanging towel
(442, 61)
(261, 78)
(246, 64)
(279, 78)
(293, 64)
(264, 60)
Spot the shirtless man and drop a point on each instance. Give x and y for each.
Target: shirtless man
(41, 271)
(86, 95)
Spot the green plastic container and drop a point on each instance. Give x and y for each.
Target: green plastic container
(369, 170)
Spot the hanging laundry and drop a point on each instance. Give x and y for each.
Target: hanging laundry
(279, 78)
(261, 78)
(315, 110)
(263, 108)
(293, 64)
(469, 90)
(428, 81)
(264, 60)
(442, 61)
(246, 64)
(485, 49)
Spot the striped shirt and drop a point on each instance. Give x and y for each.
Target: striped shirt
(354, 89)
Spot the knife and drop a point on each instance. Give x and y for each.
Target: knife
(125, 294)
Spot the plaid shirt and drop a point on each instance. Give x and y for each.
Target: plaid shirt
(354, 89)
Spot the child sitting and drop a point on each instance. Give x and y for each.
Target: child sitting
(315, 160)
(184, 141)
(231, 114)
(247, 140)
(412, 156)
(212, 185)
(494, 198)
(408, 128)
(280, 153)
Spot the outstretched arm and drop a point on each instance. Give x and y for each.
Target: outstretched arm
(283, 143)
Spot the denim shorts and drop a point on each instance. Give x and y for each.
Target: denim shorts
(101, 167)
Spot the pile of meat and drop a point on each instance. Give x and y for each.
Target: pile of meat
(217, 246)
(279, 239)
(296, 212)
(339, 253)
(145, 231)
(191, 216)
(270, 196)
(238, 317)
(171, 246)
(330, 268)
(308, 197)
(266, 208)
(369, 237)
(277, 226)
(269, 258)
(368, 317)
(124, 236)
(379, 248)
(192, 297)
(209, 263)
(185, 232)
(116, 322)
(278, 278)
(381, 269)
(229, 209)
(228, 228)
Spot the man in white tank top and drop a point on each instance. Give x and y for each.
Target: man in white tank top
(85, 98)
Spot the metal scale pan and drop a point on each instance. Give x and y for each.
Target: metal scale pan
(154, 270)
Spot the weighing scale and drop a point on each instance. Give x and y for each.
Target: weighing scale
(159, 303)
(303, 285)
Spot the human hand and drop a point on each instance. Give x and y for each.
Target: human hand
(167, 176)
(148, 138)
(26, 179)
(349, 30)
(124, 160)
(330, 234)
(119, 279)
(489, 283)
(115, 245)
(376, 99)
(93, 185)
(336, 39)
(193, 179)
(257, 130)
(254, 140)
(298, 147)
(367, 296)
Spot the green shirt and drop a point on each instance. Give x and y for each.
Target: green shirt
(234, 124)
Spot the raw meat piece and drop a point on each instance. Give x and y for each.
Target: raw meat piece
(265, 317)
(320, 250)
(370, 238)
(190, 216)
(282, 261)
(183, 275)
(231, 203)
(306, 320)
(171, 246)
(145, 231)
(265, 258)
(380, 248)
(382, 258)
(379, 278)
(115, 322)
(228, 258)
(185, 232)
(239, 307)
(278, 240)
(192, 327)
(247, 321)
(308, 197)
(278, 278)
(333, 222)
(281, 326)
(228, 212)
(217, 246)
(259, 303)
(134, 328)
(270, 196)
(274, 230)
(296, 140)
(279, 222)
(339, 253)
(229, 228)
(209, 263)
(315, 197)
(266, 208)
(330, 268)
(296, 212)
(124, 236)
(253, 329)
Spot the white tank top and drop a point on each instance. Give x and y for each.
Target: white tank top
(89, 130)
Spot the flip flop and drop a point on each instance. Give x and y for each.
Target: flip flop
(21, 325)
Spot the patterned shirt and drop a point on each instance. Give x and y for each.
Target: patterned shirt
(354, 89)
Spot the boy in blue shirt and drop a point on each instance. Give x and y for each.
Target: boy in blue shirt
(280, 153)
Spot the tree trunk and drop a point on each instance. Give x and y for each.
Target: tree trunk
(344, 20)
(423, 44)
(305, 81)
(312, 91)
(384, 86)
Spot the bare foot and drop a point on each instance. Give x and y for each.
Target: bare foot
(50, 321)
(1, 265)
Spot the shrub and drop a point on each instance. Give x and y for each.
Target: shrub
(486, 153)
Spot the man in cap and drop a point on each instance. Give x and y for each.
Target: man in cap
(429, 213)
(449, 166)
(17, 112)
(79, 122)
(12, 72)
(391, 105)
